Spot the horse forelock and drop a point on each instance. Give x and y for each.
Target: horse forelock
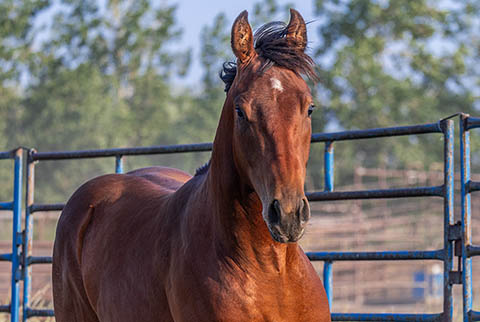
(271, 44)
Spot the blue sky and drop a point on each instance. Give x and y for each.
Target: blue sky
(193, 15)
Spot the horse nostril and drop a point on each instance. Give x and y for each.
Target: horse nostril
(275, 212)
(304, 211)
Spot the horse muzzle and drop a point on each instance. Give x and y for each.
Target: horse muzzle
(286, 220)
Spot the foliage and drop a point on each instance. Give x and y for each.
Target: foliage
(89, 74)
(101, 79)
(388, 63)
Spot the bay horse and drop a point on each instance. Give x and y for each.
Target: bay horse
(156, 244)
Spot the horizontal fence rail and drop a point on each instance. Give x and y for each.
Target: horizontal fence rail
(88, 154)
(376, 194)
(377, 256)
(378, 133)
(385, 317)
(452, 232)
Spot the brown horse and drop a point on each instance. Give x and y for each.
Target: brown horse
(158, 245)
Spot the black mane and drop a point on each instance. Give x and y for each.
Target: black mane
(271, 44)
(203, 169)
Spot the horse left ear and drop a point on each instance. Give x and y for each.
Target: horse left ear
(242, 38)
(296, 31)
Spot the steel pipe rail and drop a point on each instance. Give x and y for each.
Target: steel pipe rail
(5, 155)
(473, 250)
(385, 317)
(6, 257)
(471, 122)
(6, 205)
(377, 256)
(39, 260)
(322, 196)
(204, 147)
(376, 194)
(472, 186)
(46, 207)
(474, 315)
(378, 133)
(84, 154)
(5, 308)
(38, 312)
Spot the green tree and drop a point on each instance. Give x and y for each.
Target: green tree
(17, 34)
(380, 66)
(101, 79)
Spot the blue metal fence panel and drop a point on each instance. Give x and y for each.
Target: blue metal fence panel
(327, 194)
(445, 191)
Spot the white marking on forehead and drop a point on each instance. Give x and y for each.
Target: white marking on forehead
(276, 84)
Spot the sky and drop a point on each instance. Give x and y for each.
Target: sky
(193, 15)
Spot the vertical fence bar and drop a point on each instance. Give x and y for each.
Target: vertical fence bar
(329, 181)
(327, 281)
(466, 217)
(119, 164)
(28, 233)
(16, 237)
(448, 208)
(328, 167)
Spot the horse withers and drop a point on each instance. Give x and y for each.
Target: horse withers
(156, 244)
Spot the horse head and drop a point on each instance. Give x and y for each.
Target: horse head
(271, 106)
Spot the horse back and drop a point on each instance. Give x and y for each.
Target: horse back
(97, 233)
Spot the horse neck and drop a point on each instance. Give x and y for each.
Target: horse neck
(238, 222)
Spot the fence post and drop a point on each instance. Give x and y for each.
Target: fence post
(448, 208)
(327, 281)
(466, 216)
(28, 241)
(329, 167)
(16, 235)
(119, 164)
(329, 181)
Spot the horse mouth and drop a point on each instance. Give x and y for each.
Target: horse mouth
(283, 238)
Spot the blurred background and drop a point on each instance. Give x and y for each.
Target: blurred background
(124, 73)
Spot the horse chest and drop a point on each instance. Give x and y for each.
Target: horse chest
(248, 296)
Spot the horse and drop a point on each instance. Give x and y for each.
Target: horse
(157, 244)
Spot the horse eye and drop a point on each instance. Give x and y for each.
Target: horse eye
(310, 109)
(240, 113)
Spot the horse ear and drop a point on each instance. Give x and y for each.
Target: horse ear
(296, 31)
(242, 38)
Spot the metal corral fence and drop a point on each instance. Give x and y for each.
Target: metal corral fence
(457, 236)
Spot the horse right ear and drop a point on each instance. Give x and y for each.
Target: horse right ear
(242, 38)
